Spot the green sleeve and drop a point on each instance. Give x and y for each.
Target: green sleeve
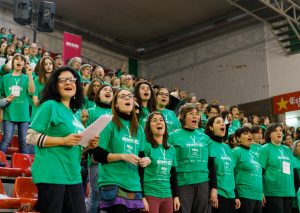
(263, 157)
(235, 156)
(42, 119)
(106, 135)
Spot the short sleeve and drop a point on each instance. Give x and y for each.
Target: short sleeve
(43, 117)
(263, 157)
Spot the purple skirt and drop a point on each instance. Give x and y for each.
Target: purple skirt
(132, 200)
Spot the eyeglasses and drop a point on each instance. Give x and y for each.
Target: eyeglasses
(64, 80)
(163, 94)
(193, 113)
(124, 97)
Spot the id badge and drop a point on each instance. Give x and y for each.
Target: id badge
(286, 168)
(15, 91)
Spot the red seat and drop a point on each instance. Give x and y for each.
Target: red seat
(22, 161)
(7, 171)
(8, 202)
(26, 191)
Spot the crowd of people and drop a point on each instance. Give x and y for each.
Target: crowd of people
(163, 151)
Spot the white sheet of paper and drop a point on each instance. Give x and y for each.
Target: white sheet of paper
(94, 129)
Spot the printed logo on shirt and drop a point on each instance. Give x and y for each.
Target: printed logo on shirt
(130, 145)
(163, 166)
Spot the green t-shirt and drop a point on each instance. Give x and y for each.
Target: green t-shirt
(37, 92)
(144, 117)
(121, 173)
(171, 120)
(157, 174)
(58, 164)
(192, 156)
(96, 112)
(248, 174)
(255, 148)
(278, 163)
(18, 109)
(88, 104)
(224, 165)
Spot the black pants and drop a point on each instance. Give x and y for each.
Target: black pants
(250, 206)
(60, 198)
(278, 204)
(226, 205)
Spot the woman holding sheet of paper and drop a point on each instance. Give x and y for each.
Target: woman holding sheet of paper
(103, 98)
(121, 151)
(55, 132)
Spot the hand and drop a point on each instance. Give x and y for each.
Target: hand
(29, 70)
(214, 198)
(10, 98)
(264, 201)
(35, 101)
(93, 143)
(71, 140)
(237, 203)
(145, 161)
(176, 203)
(130, 158)
(146, 205)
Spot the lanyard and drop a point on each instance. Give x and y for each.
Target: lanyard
(163, 153)
(16, 81)
(193, 139)
(281, 152)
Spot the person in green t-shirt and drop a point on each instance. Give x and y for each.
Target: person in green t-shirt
(279, 171)
(160, 182)
(103, 98)
(45, 69)
(17, 112)
(120, 152)
(162, 100)
(89, 98)
(145, 98)
(85, 71)
(248, 173)
(257, 139)
(55, 132)
(226, 201)
(235, 124)
(195, 170)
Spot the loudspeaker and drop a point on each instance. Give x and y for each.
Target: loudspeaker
(46, 15)
(23, 11)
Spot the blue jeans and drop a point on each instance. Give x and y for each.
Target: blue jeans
(94, 189)
(8, 132)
